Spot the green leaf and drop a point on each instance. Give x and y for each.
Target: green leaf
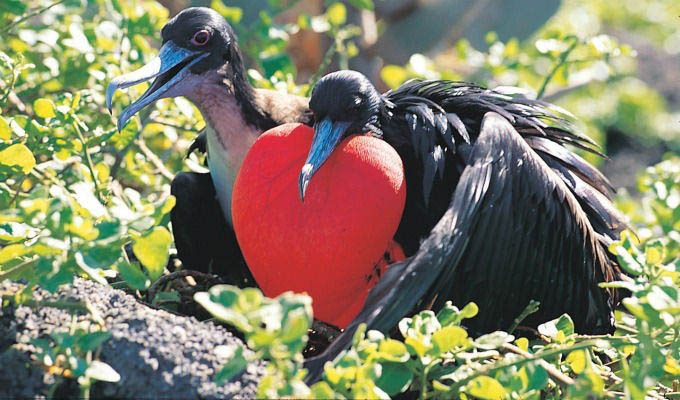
(91, 341)
(448, 338)
(152, 250)
(393, 75)
(577, 360)
(493, 340)
(533, 376)
(222, 312)
(417, 346)
(362, 4)
(562, 324)
(487, 388)
(469, 311)
(5, 132)
(232, 14)
(295, 327)
(321, 390)
(234, 366)
(393, 350)
(133, 275)
(16, 7)
(17, 155)
(627, 261)
(44, 108)
(102, 372)
(11, 252)
(394, 378)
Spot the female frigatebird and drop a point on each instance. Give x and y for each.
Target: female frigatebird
(200, 60)
(498, 211)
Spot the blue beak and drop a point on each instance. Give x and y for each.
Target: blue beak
(170, 65)
(327, 135)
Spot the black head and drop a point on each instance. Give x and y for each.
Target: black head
(344, 103)
(347, 96)
(199, 46)
(200, 29)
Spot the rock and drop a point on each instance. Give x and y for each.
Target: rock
(156, 353)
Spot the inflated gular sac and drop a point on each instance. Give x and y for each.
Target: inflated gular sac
(334, 244)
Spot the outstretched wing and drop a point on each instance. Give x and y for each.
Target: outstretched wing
(513, 232)
(432, 123)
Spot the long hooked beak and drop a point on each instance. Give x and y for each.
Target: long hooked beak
(327, 135)
(168, 67)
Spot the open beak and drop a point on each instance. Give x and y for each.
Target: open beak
(168, 67)
(327, 135)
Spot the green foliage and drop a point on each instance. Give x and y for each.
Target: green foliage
(70, 354)
(74, 193)
(275, 329)
(576, 62)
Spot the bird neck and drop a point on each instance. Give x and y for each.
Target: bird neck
(235, 116)
(234, 126)
(234, 121)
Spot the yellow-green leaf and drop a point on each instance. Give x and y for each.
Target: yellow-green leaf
(133, 275)
(5, 133)
(152, 250)
(393, 350)
(232, 14)
(18, 155)
(11, 252)
(577, 360)
(337, 14)
(168, 205)
(522, 343)
(449, 337)
(44, 108)
(393, 75)
(487, 388)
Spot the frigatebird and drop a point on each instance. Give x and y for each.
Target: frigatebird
(200, 60)
(498, 210)
(493, 157)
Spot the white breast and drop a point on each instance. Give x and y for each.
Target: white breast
(223, 176)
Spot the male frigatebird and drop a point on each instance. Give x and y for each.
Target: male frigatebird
(200, 60)
(505, 212)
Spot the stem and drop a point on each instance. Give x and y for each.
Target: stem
(562, 60)
(16, 272)
(30, 15)
(151, 292)
(88, 161)
(534, 357)
(556, 374)
(531, 308)
(171, 125)
(62, 305)
(324, 64)
(153, 159)
(17, 193)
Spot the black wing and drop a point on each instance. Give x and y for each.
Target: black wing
(204, 240)
(513, 232)
(431, 124)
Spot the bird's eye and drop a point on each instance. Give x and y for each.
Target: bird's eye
(201, 37)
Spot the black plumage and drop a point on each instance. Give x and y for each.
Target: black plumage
(498, 210)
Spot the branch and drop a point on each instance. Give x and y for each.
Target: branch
(562, 60)
(30, 15)
(153, 159)
(151, 293)
(561, 378)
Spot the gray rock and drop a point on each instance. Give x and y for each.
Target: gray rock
(156, 353)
